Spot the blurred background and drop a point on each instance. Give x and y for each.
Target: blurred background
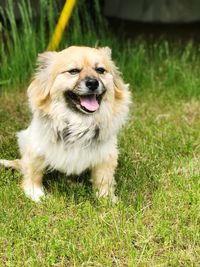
(132, 18)
(172, 18)
(26, 28)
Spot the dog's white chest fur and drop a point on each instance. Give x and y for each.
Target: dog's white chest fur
(75, 159)
(69, 148)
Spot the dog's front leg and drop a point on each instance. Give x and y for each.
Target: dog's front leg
(103, 177)
(32, 169)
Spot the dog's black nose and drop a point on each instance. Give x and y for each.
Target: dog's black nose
(92, 84)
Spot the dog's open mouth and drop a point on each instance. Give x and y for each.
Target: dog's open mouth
(87, 103)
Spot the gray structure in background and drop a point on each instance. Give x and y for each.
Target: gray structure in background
(166, 11)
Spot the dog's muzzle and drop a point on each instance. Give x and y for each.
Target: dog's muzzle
(88, 95)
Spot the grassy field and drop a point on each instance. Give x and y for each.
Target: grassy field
(157, 219)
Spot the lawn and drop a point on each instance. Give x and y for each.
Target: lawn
(157, 219)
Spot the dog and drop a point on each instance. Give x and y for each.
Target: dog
(79, 102)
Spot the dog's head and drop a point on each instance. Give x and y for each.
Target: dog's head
(83, 77)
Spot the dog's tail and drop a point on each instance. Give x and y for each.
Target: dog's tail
(14, 164)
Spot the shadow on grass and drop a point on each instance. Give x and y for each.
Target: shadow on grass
(75, 187)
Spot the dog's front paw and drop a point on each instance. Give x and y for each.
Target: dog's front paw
(34, 192)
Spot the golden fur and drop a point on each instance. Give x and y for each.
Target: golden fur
(75, 123)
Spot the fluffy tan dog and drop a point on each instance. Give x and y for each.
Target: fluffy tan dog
(79, 102)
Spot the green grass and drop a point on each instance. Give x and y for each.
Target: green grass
(157, 219)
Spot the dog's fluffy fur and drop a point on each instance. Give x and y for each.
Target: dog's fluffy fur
(66, 133)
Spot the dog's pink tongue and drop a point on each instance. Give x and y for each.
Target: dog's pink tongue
(89, 102)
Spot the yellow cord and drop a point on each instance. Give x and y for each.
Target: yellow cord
(62, 23)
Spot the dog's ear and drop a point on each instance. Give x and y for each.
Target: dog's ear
(39, 89)
(120, 86)
(106, 51)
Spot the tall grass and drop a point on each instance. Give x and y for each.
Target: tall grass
(22, 39)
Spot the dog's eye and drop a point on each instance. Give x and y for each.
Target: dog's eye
(100, 70)
(74, 71)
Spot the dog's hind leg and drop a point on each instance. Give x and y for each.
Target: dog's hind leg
(14, 164)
